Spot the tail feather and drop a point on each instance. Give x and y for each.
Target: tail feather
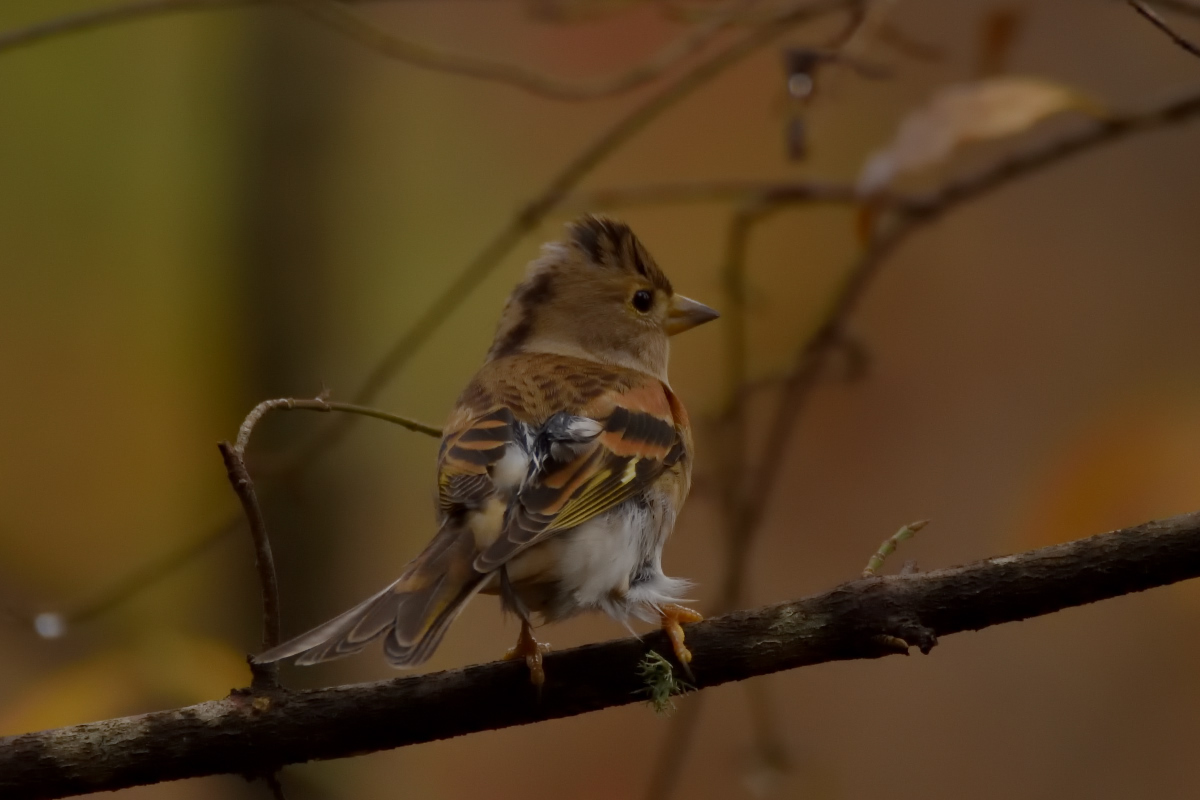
(414, 612)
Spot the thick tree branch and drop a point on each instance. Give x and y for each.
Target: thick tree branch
(250, 734)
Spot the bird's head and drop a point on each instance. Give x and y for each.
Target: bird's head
(597, 295)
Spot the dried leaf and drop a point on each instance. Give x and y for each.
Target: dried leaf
(968, 112)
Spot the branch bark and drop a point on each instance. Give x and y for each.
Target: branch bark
(249, 733)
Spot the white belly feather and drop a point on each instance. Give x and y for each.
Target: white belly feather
(612, 563)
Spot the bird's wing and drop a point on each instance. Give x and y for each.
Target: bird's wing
(473, 443)
(588, 459)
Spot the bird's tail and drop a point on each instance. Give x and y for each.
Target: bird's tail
(413, 613)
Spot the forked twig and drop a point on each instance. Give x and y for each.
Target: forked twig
(266, 675)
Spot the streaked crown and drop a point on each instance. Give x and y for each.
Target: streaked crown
(597, 295)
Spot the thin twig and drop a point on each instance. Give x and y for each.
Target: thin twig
(239, 735)
(156, 570)
(744, 193)
(265, 676)
(731, 456)
(518, 226)
(112, 15)
(321, 404)
(906, 44)
(337, 15)
(150, 573)
(1187, 7)
(350, 23)
(912, 213)
(1152, 16)
(536, 210)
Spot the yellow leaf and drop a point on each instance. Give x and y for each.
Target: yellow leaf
(968, 112)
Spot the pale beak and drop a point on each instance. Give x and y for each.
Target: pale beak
(685, 314)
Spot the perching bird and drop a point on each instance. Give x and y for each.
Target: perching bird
(561, 469)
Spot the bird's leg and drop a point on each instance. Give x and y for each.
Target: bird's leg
(673, 617)
(526, 647)
(532, 651)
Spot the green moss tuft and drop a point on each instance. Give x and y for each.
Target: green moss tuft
(661, 684)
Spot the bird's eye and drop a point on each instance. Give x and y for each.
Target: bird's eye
(642, 300)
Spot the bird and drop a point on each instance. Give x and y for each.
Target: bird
(562, 467)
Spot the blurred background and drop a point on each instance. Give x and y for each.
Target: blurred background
(203, 210)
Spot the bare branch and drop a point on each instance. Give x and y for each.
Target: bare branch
(860, 619)
(913, 213)
(321, 404)
(340, 17)
(156, 570)
(1158, 22)
(744, 510)
(111, 15)
(1187, 7)
(150, 573)
(537, 209)
(743, 193)
(337, 16)
(266, 676)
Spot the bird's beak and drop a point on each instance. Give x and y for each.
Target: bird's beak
(685, 314)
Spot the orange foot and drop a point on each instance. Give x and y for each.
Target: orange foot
(532, 651)
(672, 617)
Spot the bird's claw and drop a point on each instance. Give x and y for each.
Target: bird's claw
(532, 651)
(673, 618)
